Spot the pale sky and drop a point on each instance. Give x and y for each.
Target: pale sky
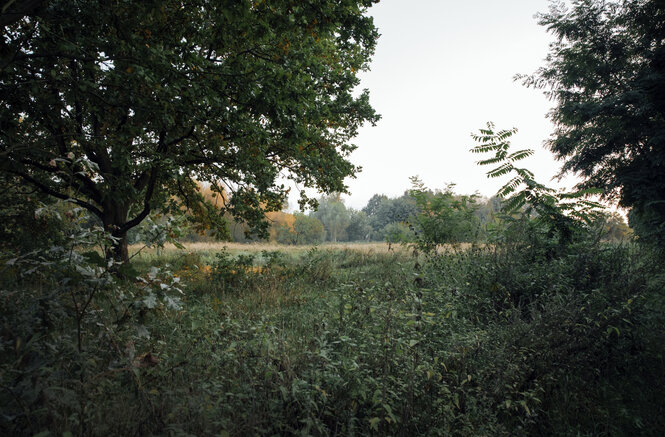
(442, 69)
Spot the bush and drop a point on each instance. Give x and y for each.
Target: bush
(523, 337)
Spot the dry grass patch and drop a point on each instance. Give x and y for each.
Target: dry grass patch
(375, 247)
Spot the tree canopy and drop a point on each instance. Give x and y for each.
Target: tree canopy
(606, 73)
(334, 216)
(120, 107)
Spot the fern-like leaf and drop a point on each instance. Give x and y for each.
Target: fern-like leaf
(520, 154)
(501, 170)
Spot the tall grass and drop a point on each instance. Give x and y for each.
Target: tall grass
(324, 341)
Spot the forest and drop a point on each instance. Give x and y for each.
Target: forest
(155, 281)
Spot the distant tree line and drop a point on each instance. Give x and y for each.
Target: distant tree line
(423, 215)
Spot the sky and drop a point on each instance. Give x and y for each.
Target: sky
(442, 70)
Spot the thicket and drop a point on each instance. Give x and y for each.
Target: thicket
(542, 329)
(527, 336)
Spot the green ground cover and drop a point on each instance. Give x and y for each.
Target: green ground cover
(480, 341)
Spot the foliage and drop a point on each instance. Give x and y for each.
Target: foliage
(334, 216)
(489, 341)
(397, 233)
(229, 272)
(121, 108)
(443, 217)
(548, 330)
(468, 220)
(606, 72)
(383, 211)
(308, 229)
(563, 216)
(22, 227)
(157, 230)
(571, 336)
(297, 228)
(614, 228)
(359, 228)
(281, 226)
(373, 204)
(68, 326)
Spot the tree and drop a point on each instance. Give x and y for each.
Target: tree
(397, 232)
(12, 11)
(614, 227)
(308, 229)
(334, 216)
(119, 107)
(563, 215)
(359, 228)
(397, 210)
(373, 204)
(281, 226)
(487, 209)
(443, 216)
(606, 72)
(21, 226)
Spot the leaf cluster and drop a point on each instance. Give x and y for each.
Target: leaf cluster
(562, 213)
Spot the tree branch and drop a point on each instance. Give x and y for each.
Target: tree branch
(51, 192)
(146, 204)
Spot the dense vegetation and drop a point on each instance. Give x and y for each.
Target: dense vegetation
(606, 73)
(525, 337)
(120, 107)
(531, 313)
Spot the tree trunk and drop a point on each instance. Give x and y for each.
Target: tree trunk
(115, 216)
(120, 251)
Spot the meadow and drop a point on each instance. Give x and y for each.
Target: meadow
(210, 248)
(339, 340)
(534, 312)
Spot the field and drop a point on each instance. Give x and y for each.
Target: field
(341, 340)
(378, 247)
(531, 310)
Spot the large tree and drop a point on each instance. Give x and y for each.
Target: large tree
(606, 73)
(121, 105)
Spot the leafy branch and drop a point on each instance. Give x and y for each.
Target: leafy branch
(559, 211)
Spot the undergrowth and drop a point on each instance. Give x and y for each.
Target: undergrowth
(485, 341)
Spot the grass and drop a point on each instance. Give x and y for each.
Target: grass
(206, 247)
(342, 340)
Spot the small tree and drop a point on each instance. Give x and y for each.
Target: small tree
(395, 233)
(615, 227)
(443, 216)
(562, 214)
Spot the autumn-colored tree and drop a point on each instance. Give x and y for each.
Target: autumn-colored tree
(281, 225)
